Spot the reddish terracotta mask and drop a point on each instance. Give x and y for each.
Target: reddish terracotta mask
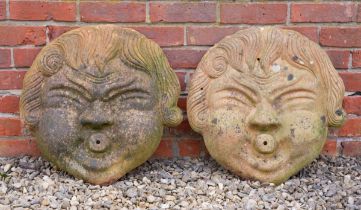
(263, 99)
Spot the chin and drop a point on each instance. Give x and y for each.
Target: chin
(279, 174)
(103, 176)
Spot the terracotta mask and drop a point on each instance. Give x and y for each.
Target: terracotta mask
(97, 98)
(263, 99)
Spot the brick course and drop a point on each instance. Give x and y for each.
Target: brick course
(185, 30)
(179, 12)
(22, 35)
(2, 10)
(39, 10)
(5, 58)
(253, 13)
(24, 57)
(112, 12)
(340, 36)
(326, 13)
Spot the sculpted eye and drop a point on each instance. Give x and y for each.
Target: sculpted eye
(242, 97)
(296, 99)
(127, 94)
(61, 98)
(135, 98)
(62, 95)
(234, 97)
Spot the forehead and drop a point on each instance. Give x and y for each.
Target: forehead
(114, 72)
(284, 75)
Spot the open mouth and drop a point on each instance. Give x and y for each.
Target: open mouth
(98, 142)
(95, 152)
(266, 162)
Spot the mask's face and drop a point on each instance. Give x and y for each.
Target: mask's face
(98, 125)
(265, 129)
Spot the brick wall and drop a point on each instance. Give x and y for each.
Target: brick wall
(185, 30)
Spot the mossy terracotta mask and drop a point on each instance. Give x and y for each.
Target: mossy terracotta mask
(97, 98)
(263, 99)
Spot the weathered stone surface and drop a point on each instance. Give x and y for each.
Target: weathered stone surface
(263, 99)
(97, 98)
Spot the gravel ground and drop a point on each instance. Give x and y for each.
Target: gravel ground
(31, 183)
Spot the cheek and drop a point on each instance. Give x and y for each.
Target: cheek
(304, 127)
(139, 126)
(226, 130)
(58, 129)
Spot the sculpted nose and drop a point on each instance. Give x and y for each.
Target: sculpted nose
(94, 116)
(264, 118)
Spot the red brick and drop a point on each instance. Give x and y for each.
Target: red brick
(112, 12)
(340, 37)
(41, 10)
(2, 10)
(5, 58)
(22, 35)
(308, 31)
(351, 81)
(16, 148)
(11, 79)
(330, 148)
(182, 80)
(332, 132)
(177, 12)
(359, 13)
(9, 104)
(197, 35)
(339, 58)
(352, 127)
(163, 35)
(351, 148)
(190, 147)
(352, 104)
(10, 127)
(165, 149)
(253, 13)
(324, 12)
(56, 31)
(24, 57)
(184, 58)
(182, 103)
(356, 59)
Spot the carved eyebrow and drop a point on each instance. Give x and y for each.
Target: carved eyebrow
(129, 87)
(80, 91)
(284, 89)
(299, 93)
(81, 88)
(232, 93)
(228, 97)
(248, 91)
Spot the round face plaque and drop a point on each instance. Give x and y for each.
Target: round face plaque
(97, 98)
(263, 99)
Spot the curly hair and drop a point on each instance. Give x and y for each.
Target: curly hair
(96, 45)
(264, 45)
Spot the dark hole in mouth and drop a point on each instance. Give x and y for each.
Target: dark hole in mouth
(97, 142)
(264, 143)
